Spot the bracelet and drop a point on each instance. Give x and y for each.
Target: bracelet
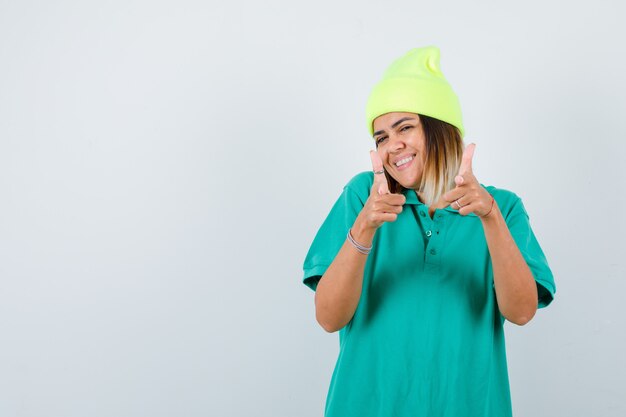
(485, 215)
(362, 249)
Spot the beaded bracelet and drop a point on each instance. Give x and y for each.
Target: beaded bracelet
(363, 249)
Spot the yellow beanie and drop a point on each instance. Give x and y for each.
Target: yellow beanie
(414, 84)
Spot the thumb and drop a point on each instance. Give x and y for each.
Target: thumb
(466, 161)
(380, 181)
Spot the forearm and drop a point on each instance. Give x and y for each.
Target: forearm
(339, 290)
(516, 290)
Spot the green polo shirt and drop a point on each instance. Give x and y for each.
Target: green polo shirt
(427, 337)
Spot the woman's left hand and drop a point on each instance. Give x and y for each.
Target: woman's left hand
(469, 196)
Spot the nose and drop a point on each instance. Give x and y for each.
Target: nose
(396, 143)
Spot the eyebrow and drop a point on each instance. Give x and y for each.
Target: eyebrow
(404, 119)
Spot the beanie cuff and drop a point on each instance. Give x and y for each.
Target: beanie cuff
(429, 97)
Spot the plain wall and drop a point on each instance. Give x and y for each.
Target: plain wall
(164, 167)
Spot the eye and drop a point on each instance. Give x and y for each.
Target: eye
(403, 128)
(380, 139)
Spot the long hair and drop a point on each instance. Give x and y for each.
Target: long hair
(444, 151)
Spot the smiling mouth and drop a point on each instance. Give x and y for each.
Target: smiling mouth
(404, 161)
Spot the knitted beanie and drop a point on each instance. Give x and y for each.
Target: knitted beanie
(415, 84)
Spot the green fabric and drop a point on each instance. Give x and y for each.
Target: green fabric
(427, 337)
(414, 83)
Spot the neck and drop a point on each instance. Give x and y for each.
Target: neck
(441, 203)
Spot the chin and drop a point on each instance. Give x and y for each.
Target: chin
(407, 181)
(409, 184)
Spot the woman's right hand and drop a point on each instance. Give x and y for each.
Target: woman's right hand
(381, 206)
(339, 290)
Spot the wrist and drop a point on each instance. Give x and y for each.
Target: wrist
(362, 234)
(492, 214)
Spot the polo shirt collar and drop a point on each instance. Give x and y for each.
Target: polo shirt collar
(411, 198)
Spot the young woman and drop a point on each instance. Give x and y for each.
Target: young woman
(418, 264)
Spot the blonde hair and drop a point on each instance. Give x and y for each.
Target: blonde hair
(444, 151)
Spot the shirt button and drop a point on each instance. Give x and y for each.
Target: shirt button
(428, 233)
(433, 252)
(422, 213)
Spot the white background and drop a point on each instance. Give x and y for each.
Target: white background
(164, 167)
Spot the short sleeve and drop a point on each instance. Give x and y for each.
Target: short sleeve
(332, 234)
(519, 225)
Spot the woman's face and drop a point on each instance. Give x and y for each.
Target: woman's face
(401, 144)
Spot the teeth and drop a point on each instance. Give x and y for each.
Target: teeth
(404, 161)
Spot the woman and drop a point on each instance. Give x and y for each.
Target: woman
(418, 264)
